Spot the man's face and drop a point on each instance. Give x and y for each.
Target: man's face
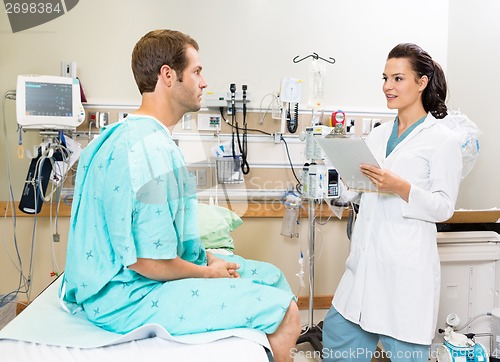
(188, 92)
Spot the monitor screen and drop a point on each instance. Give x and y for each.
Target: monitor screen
(48, 102)
(49, 99)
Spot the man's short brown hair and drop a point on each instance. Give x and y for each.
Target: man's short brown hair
(158, 48)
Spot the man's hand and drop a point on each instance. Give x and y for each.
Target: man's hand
(221, 268)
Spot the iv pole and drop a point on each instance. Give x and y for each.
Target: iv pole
(312, 334)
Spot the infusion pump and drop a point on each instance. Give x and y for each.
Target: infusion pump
(320, 182)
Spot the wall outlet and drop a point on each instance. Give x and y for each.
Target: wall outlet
(201, 177)
(351, 126)
(187, 121)
(68, 69)
(92, 119)
(102, 119)
(277, 137)
(367, 125)
(209, 122)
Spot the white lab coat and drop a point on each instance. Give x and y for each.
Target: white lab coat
(392, 278)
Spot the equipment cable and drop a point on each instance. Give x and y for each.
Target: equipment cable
(234, 124)
(245, 167)
(24, 282)
(221, 110)
(299, 184)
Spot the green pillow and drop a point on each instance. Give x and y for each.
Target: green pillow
(216, 223)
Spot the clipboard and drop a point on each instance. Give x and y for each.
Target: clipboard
(347, 154)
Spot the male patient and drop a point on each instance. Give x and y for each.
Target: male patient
(134, 254)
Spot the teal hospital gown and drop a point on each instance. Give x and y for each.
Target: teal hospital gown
(134, 198)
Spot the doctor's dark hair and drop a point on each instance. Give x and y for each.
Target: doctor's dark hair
(158, 48)
(434, 95)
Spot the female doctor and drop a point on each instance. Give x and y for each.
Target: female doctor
(390, 289)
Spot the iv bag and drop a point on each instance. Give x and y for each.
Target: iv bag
(292, 203)
(317, 72)
(467, 132)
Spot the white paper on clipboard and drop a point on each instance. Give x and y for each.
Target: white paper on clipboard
(346, 154)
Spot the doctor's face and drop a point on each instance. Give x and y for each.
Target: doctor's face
(401, 88)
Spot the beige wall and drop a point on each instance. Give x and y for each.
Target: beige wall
(252, 43)
(42, 264)
(256, 238)
(260, 239)
(473, 81)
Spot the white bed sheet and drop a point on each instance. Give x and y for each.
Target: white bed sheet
(45, 332)
(151, 349)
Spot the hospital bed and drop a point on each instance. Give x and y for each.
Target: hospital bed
(45, 332)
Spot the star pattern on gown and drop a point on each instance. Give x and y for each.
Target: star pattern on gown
(199, 293)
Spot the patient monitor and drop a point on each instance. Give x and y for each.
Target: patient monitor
(48, 102)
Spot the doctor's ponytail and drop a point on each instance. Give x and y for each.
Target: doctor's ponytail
(434, 95)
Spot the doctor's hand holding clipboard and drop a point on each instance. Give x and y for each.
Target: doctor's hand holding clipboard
(386, 181)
